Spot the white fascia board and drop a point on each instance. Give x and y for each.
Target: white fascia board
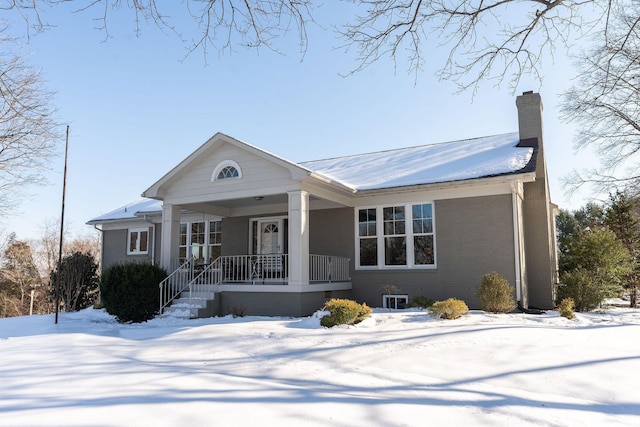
(450, 190)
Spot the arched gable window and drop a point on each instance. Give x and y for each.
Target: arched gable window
(227, 169)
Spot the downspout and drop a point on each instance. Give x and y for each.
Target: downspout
(516, 238)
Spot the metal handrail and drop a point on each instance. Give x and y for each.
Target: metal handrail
(175, 283)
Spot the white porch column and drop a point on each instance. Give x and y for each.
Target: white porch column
(298, 238)
(170, 235)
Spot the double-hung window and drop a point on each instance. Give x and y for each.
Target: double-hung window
(138, 241)
(396, 236)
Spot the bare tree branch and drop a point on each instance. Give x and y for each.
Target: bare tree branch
(605, 104)
(27, 128)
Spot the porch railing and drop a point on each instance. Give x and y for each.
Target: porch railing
(254, 269)
(328, 268)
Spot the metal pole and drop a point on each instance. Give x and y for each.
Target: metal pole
(64, 190)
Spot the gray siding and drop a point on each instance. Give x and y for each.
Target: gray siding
(275, 304)
(331, 232)
(474, 236)
(114, 247)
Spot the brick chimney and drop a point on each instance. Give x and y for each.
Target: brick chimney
(539, 228)
(530, 125)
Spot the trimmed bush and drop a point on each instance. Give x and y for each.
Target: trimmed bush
(131, 291)
(495, 294)
(421, 302)
(566, 308)
(344, 312)
(451, 308)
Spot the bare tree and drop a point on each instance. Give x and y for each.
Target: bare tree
(46, 247)
(605, 103)
(218, 24)
(27, 127)
(495, 39)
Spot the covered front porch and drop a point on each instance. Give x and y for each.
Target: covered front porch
(193, 284)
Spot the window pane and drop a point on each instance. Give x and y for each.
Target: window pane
(368, 252)
(183, 234)
(367, 222)
(423, 250)
(395, 251)
(418, 226)
(133, 241)
(144, 236)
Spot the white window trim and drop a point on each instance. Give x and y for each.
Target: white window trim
(207, 243)
(222, 165)
(130, 231)
(408, 234)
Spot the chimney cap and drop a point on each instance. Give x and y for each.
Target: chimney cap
(528, 92)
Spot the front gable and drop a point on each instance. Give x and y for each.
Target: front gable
(224, 168)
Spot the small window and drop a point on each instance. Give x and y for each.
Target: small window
(396, 302)
(138, 241)
(226, 170)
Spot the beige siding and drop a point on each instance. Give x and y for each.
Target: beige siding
(257, 175)
(474, 236)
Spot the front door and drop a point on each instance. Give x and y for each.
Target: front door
(270, 237)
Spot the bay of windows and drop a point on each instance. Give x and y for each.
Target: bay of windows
(201, 240)
(396, 236)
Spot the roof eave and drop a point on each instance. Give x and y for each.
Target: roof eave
(496, 179)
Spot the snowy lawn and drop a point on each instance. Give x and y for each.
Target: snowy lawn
(396, 368)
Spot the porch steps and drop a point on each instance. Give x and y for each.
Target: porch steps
(200, 305)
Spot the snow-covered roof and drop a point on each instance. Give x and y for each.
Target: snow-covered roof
(130, 211)
(427, 164)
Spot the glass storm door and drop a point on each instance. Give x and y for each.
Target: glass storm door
(270, 237)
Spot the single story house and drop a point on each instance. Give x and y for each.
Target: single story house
(239, 228)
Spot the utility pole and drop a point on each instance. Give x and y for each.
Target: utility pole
(64, 190)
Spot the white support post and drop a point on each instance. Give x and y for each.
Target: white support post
(170, 235)
(298, 238)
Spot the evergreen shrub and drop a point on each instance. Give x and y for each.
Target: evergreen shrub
(131, 291)
(451, 308)
(421, 302)
(495, 294)
(344, 312)
(566, 308)
(581, 286)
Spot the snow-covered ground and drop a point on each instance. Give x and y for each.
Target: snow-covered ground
(399, 368)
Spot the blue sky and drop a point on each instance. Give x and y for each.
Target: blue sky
(137, 106)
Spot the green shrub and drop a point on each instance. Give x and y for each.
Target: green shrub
(582, 287)
(451, 308)
(421, 302)
(495, 294)
(131, 291)
(566, 308)
(344, 312)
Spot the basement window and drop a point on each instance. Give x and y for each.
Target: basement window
(396, 302)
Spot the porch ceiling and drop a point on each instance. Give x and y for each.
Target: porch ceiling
(242, 206)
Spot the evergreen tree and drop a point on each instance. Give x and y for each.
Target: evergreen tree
(18, 277)
(79, 281)
(621, 218)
